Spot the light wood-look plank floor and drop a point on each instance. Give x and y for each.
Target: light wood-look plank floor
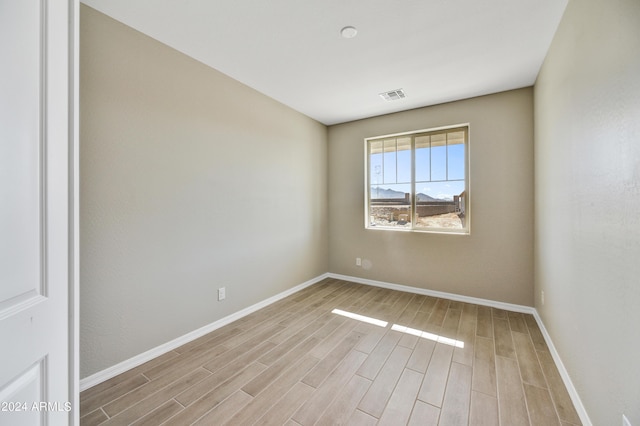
(295, 362)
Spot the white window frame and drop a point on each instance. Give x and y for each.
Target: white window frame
(466, 230)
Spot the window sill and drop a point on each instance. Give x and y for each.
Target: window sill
(420, 231)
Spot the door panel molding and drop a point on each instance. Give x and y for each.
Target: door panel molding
(27, 386)
(25, 107)
(38, 216)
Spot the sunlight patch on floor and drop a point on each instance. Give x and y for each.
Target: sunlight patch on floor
(359, 317)
(430, 336)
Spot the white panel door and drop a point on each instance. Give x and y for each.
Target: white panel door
(34, 212)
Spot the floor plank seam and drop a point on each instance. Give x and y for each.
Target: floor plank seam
(522, 383)
(181, 404)
(395, 363)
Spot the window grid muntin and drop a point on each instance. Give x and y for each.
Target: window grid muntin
(447, 131)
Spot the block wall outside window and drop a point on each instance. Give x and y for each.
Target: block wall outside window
(418, 181)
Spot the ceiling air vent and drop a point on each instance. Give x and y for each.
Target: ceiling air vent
(393, 95)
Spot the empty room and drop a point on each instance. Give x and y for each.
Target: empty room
(233, 146)
(333, 212)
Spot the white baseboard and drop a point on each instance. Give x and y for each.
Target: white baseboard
(121, 367)
(137, 360)
(450, 296)
(573, 393)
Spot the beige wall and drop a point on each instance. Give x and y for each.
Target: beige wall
(175, 157)
(190, 181)
(494, 262)
(587, 210)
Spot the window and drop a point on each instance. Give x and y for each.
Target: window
(419, 181)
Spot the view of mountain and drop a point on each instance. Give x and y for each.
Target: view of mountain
(424, 197)
(386, 193)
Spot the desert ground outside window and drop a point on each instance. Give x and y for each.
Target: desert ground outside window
(418, 181)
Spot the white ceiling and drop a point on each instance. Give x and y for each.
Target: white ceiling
(292, 51)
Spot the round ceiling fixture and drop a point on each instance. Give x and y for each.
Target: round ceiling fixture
(348, 32)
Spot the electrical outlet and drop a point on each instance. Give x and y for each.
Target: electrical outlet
(358, 261)
(542, 296)
(625, 421)
(222, 293)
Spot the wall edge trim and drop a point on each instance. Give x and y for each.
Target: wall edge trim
(426, 292)
(564, 374)
(137, 360)
(121, 367)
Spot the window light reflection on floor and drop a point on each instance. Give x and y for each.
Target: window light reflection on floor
(430, 336)
(401, 328)
(362, 318)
